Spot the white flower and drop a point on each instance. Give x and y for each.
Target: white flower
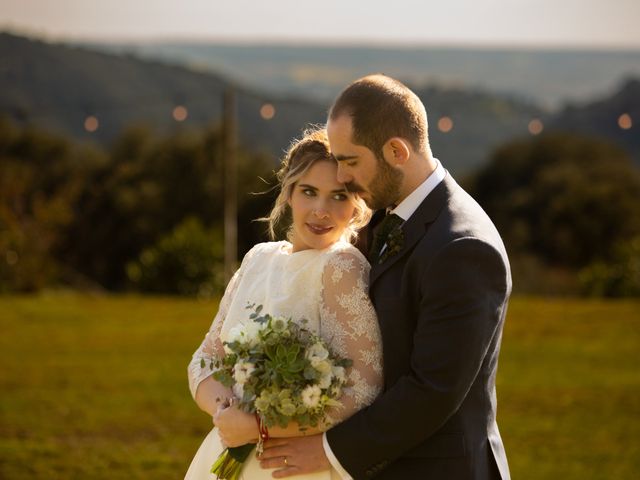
(235, 334)
(339, 373)
(253, 330)
(248, 333)
(279, 324)
(311, 396)
(238, 391)
(323, 366)
(325, 380)
(242, 371)
(316, 354)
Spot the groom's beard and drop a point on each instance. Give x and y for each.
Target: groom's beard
(383, 190)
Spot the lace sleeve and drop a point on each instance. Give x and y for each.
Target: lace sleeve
(350, 326)
(211, 347)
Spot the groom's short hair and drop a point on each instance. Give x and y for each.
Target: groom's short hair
(380, 108)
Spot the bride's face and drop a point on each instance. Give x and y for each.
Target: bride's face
(321, 207)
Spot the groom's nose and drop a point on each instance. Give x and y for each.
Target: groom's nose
(343, 176)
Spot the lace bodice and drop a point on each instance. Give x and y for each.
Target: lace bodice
(326, 287)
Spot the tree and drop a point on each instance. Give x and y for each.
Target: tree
(75, 214)
(41, 179)
(149, 186)
(566, 199)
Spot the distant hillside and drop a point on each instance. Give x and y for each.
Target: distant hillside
(57, 86)
(481, 122)
(546, 77)
(600, 117)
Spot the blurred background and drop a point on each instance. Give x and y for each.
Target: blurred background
(124, 124)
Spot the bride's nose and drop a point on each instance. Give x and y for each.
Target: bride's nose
(320, 212)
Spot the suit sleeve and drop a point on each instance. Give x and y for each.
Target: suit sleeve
(462, 294)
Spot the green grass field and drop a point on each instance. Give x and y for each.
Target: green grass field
(95, 387)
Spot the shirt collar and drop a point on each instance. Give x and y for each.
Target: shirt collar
(410, 204)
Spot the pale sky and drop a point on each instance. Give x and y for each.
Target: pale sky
(536, 23)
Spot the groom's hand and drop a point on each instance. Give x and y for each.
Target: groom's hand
(302, 455)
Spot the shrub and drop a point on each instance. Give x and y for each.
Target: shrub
(617, 278)
(187, 261)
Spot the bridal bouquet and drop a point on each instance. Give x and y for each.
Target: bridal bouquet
(280, 371)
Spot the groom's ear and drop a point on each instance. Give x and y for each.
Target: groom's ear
(396, 151)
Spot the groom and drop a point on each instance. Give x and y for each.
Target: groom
(440, 282)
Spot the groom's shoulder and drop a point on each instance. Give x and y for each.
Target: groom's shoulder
(463, 215)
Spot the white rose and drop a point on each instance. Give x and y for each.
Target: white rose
(323, 366)
(316, 354)
(311, 396)
(252, 332)
(235, 334)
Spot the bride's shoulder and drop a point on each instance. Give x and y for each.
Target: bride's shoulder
(345, 253)
(260, 250)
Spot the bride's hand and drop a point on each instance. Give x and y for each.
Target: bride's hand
(235, 427)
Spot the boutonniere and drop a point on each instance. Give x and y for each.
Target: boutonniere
(395, 242)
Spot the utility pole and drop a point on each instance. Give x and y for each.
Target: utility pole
(230, 184)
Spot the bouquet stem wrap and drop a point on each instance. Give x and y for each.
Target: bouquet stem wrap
(229, 463)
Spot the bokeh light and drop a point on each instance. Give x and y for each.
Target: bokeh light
(624, 121)
(267, 111)
(180, 113)
(91, 124)
(445, 124)
(535, 127)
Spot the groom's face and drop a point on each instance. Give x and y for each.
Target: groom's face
(362, 172)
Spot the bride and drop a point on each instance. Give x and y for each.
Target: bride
(317, 275)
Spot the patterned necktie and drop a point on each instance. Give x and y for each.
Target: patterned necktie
(390, 223)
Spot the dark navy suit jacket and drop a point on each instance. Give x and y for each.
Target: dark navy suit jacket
(441, 304)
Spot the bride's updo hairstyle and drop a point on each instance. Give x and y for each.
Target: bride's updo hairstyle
(302, 154)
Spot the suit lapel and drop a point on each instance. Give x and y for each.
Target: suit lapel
(414, 228)
(377, 217)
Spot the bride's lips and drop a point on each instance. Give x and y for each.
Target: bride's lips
(319, 229)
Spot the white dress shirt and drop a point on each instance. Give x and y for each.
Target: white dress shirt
(404, 210)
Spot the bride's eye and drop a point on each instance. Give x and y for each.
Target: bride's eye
(340, 197)
(309, 192)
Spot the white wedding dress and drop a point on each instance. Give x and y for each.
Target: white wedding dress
(326, 287)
